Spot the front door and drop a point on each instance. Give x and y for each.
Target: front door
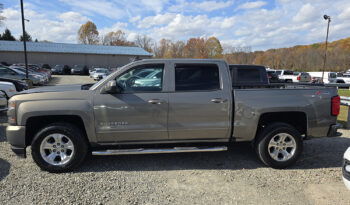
(139, 112)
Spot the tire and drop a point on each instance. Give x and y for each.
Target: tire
(74, 148)
(270, 141)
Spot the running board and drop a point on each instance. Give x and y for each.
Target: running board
(159, 151)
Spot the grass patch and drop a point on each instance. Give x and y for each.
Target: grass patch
(344, 92)
(343, 115)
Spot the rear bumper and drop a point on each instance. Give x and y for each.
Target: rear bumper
(16, 137)
(333, 131)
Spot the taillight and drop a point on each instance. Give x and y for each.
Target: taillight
(298, 78)
(335, 105)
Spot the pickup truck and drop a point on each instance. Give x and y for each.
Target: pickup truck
(192, 106)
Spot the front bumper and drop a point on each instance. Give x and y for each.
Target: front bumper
(16, 137)
(333, 131)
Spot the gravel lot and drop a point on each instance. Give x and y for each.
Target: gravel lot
(233, 177)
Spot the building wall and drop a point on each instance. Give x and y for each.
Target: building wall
(68, 59)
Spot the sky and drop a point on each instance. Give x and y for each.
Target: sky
(258, 24)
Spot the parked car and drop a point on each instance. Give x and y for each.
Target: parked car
(286, 76)
(6, 72)
(3, 101)
(36, 68)
(8, 88)
(195, 108)
(99, 73)
(80, 69)
(43, 78)
(45, 66)
(272, 76)
(302, 77)
(61, 69)
(19, 84)
(328, 77)
(345, 78)
(346, 168)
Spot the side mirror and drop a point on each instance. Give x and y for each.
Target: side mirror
(111, 88)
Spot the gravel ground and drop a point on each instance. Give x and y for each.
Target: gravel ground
(232, 177)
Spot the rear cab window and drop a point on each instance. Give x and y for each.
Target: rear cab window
(197, 77)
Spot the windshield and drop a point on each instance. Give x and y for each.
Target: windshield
(58, 66)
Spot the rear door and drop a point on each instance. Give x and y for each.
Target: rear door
(199, 106)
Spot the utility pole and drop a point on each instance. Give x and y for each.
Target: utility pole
(24, 40)
(325, 52)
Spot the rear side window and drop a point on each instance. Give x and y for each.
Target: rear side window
(288, 72)
(248, 75)
(332, 75)
(196, 77)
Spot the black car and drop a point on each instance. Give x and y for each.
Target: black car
(80, 69)
(19, 84)
(273, 77)
(61, 69)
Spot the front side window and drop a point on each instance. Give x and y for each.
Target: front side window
(196, 77)
(144, 78)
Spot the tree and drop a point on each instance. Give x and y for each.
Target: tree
(88, 33)
(195, 48)
(214, 48)
(27, 37)
(144, 42)
(7, 36)
(116, 39)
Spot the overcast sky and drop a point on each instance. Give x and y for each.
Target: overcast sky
(261, 24)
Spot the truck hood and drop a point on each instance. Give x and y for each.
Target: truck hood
(57, 88)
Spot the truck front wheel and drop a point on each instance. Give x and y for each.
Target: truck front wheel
(59, 147)
(279, 145)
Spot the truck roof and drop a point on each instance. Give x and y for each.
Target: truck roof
(183, 60)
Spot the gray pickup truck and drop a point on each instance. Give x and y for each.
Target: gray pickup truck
(169, 106)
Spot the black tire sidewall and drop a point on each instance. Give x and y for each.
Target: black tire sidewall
(264, 140)
(74, 134)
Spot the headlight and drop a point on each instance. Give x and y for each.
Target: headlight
(11, 113)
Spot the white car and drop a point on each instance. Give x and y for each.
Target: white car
(100, 73)
(344, 79)
(346, 168)
(8, 88)
(328, 77)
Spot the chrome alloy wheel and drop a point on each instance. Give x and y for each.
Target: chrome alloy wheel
(282, 147)
(57, 149)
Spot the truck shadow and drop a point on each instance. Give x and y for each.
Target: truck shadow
(4, 168)
(318, 153)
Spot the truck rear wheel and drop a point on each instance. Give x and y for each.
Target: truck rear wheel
(59, 147)
(279, 145)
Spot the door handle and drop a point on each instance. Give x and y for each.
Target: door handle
(156, 101)
(218, 100)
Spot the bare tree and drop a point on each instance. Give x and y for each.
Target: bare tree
(144, 42)
(116, 38)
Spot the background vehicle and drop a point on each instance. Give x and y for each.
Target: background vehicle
(3, 101)
(80, 69)
(345, 78)
(41, 77)
(272, 76)
(19, 84)
(6, 72)
(302, 77)
(99, 73)
(346, 168)
(194, 108)
(61, 69)
(286, 76)
(8, 88)
(329, 77)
